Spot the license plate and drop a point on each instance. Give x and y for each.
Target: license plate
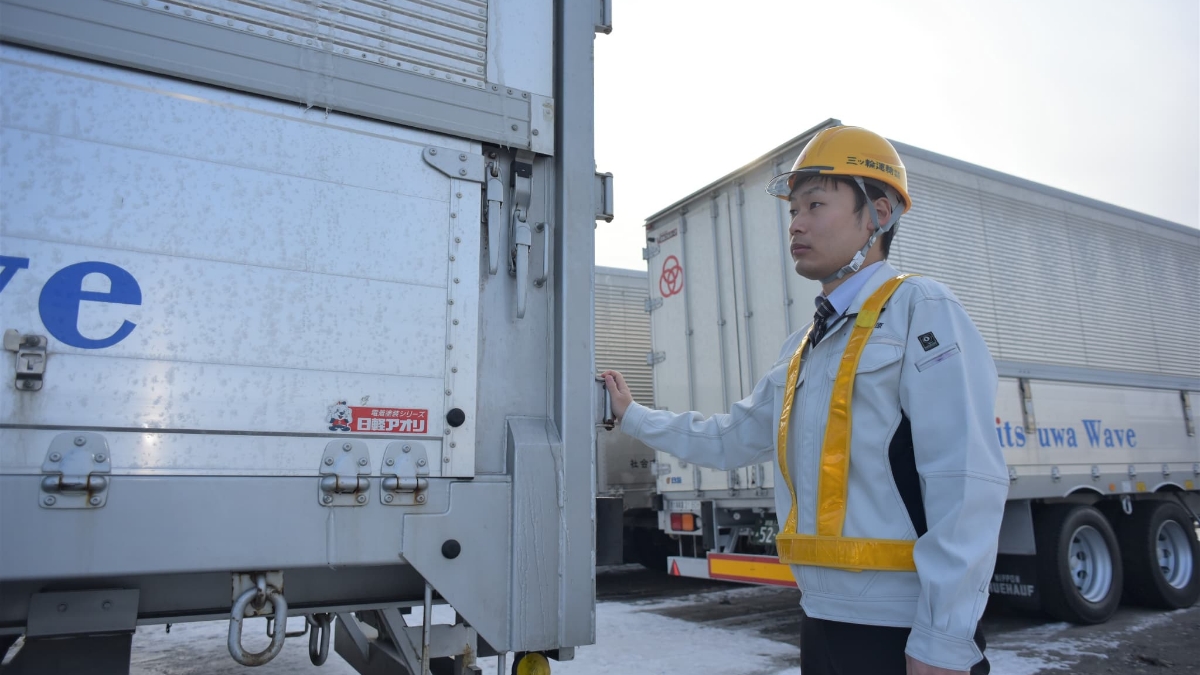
(765, 533)
(686, 506)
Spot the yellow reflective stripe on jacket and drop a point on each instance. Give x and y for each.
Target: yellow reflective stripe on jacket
(827, 548)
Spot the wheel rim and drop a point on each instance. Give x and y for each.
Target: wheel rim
(1174, 554)
(1091, 563)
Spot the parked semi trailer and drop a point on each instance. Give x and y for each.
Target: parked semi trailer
(290, 328)
(1089, 312)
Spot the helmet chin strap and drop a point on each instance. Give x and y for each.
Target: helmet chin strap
(859, 258)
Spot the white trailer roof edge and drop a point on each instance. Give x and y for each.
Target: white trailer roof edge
(794, 145)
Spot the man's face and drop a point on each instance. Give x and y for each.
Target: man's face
(825, 230)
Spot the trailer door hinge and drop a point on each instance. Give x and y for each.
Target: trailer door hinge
(455, 163)
(653, 304)
(655, 357)
(345, 474)
(31, 358)
(649, 252)
(75, 472)
(604, 197)
(603, 16)
(1027, 417)
(405, 474)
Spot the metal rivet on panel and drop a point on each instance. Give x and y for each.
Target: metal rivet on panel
(447, 459)
(106, 605)
(456, 323)
(387, 498)
(451, 258)
(362, 461)
(208, 17)
(494, 87)
(291, 38)
(100, 458)
(447, 392)
(456, 280)
(328, 461)
(271, 33)
(535, 132)
(54, 457)
(433, 151)
(328, 499)
(483, 25)
(458, 194)
(94, 501)
(455, 369)
(453, 445)
(514, 127)
(346, 447)
(457, 240)
(361, 499)
(390, 462)
(454, 215)
(62, 607)
(49, 500)
(420, 499)
(449, 302)
(421, 462)
(187, 12)
(480, 40)
(449, 346)
(510, 91)
(406, 448)
(80, 440)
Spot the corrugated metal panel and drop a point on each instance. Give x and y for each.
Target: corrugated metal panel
(422, 63)
(623, 331)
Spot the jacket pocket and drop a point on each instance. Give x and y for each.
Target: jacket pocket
(875, 356)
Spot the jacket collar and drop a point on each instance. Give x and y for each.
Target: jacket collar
(882, 273)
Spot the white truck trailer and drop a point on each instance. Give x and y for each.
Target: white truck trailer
(296, 302)
(1089, 310)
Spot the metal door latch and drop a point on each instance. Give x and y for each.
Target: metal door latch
(345, 471)
(74, 473)
(31, 358)
(405, 474)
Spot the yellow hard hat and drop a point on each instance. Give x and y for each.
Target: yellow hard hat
(847, 151)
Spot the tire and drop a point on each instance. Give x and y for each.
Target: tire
(1079, 564)
(1161, 555)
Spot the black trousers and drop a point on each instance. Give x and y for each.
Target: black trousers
(835, 648)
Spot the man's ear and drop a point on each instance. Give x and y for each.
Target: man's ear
(883, 209)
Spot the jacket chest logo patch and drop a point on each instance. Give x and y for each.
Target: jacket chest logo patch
(928, 341)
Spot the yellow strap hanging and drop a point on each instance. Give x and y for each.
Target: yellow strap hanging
(828, 548)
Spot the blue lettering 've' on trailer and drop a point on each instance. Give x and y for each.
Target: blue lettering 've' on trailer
(63, 292)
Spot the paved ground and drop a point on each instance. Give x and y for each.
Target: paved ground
(652, 624)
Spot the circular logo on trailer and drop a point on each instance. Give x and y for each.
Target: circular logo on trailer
(670, 281)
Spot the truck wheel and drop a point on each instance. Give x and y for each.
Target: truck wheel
(1161, 556)
(1079, 569)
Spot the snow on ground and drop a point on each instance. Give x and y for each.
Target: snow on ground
(629, 639)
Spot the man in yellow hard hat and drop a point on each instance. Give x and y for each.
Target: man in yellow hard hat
(879, 419)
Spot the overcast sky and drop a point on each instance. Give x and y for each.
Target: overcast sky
(1097, 97)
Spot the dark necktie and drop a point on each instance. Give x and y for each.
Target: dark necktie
(825, 311)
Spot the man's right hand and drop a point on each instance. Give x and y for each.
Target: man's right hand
(618, 392)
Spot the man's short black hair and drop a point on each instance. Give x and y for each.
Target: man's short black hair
(860, 200)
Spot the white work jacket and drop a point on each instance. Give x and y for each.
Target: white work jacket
(925, 361)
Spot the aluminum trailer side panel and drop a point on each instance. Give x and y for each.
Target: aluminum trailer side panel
(271, 342)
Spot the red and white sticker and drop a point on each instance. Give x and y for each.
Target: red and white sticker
(367, 419)
(390, 420)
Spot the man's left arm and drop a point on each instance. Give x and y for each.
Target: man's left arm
(948, 390)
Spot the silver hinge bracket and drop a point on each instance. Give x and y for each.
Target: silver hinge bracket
(655, 357)
(1095, 472)
(650, 251)
(603, 16)
(494, 213)
(604, 197)
(75, 472)
(455, 163)
(405, 474)
(1012, 474)
(345, 474)
(1055, 474)
(653, 304)
(31, 358)
(1027, 417)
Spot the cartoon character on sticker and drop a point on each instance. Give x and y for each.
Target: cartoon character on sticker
(340, 416)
